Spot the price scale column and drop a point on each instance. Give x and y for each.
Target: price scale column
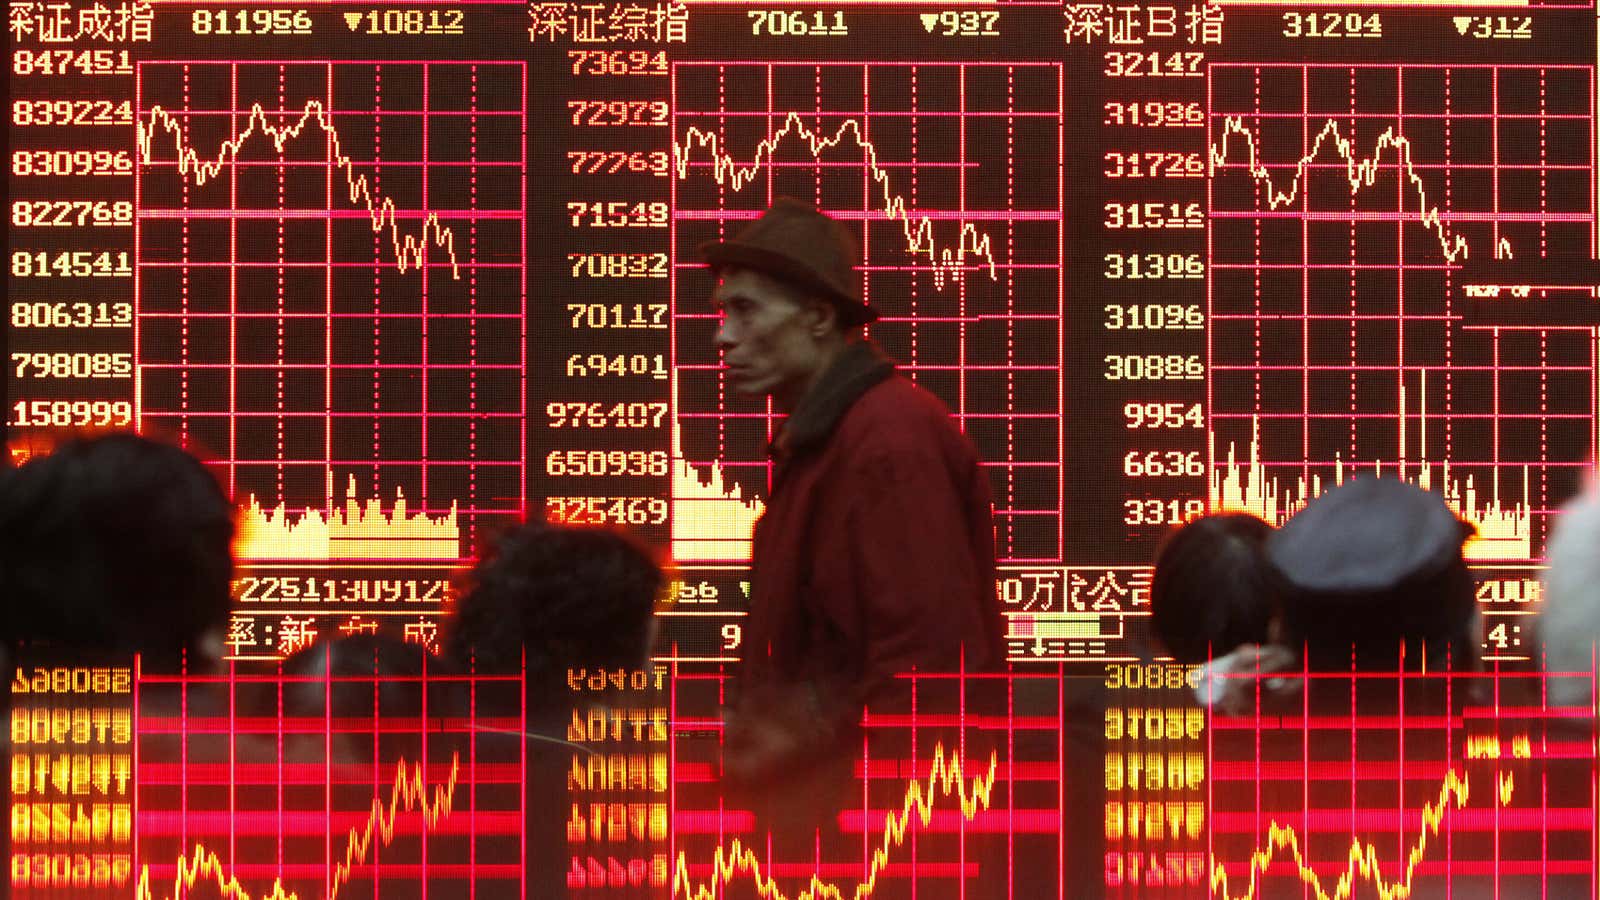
(72, 247)
(603, 411)
(1142, 264)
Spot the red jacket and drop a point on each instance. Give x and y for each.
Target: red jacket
(876, 551)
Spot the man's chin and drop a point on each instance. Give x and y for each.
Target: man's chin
(749, 387)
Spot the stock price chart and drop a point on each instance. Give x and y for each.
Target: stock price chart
(407, 273)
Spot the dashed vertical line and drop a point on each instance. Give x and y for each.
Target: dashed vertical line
(1011, 309)
(183, 302)
(1449, 294)
(1255, 321)
(281, 290)
(472, 315)
(1353, 258)
(1544, 336)
(866, 181)
(331, 155)
(423, 274)
(377, 284)
(915, 281)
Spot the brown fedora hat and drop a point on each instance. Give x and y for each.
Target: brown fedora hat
(796, 242)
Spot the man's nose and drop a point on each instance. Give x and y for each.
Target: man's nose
(724, 337)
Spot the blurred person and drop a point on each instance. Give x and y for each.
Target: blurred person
(117, 544)
(1381, 608)
(111, 546)
(1568, 629)
(1371, 577)
(1212, 589)
(364, 689)
(569, 599)
(1215, 602)
(875, 554)
(1569, 623)
(1375, 577)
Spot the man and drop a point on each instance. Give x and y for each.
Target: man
(875, 555)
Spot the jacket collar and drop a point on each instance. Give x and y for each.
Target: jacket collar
(858, 368)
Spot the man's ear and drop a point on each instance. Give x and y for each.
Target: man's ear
(824, 317)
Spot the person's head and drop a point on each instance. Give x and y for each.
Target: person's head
(572, 597)
(789, 299)
(1569, 624)
(776, 337)
(1373, 569)
(116, 544)
(1212, 590)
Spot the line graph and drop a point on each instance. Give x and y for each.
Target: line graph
(1363, 859)
(955, 790)
(945, 778)
(329, 255)
(1361, 172)
(1391, 787)
(409, 790)
(1342, 203)
(407, 248)
(949, 175)
(949, 263)
(292, 787)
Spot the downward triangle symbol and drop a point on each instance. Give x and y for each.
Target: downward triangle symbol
(929, 20)
(1462, 23)
(353, 20)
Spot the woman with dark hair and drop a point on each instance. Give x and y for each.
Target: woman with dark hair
(1212, 590)
(566, 596)
(1215, 600)
(115, 544)
(563, 599)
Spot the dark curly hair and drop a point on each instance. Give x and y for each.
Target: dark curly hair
(1213, 589)
(115, 544)
(570, 596)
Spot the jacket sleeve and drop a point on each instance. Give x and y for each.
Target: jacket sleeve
(919, 587)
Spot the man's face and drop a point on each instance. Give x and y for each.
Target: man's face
(768, 335)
